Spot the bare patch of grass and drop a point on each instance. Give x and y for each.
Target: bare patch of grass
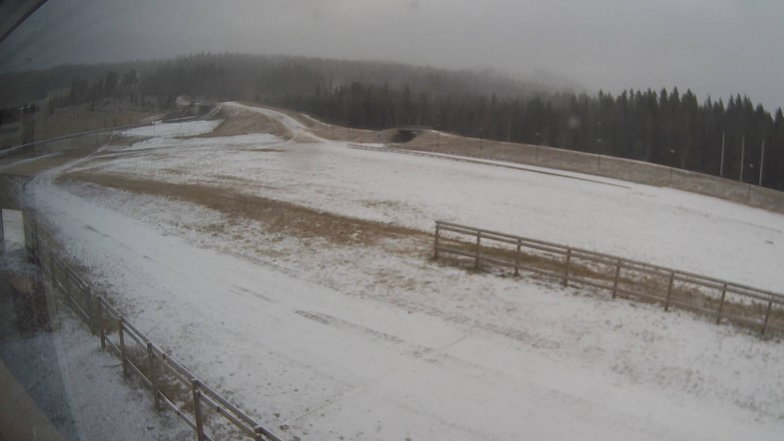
(277, 216)
(239, 122)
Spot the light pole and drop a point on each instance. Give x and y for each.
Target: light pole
(598, 153)
(762, 162)
(538, 145)
(742, 155)
(721, 165)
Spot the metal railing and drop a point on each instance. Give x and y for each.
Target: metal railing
(207, 412)
(726, 301)
(88, 133)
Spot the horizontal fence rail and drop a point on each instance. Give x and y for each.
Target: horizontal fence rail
(721, 299)
(14, 149)
(490, 162)
(172, 386)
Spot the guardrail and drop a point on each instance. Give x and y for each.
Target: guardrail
(206, 411)
(726, 301)
(489, 162)
(14, 149)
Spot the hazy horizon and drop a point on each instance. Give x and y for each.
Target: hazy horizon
(715, 48)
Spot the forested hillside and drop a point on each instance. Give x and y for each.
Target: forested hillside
(667, 127)
(236, 76)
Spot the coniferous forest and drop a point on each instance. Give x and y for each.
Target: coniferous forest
(668, 126)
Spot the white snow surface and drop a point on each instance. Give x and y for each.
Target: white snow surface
(227, 141)
(105, 406)
(357, 342)
(664, 226)
(102, 405)
(174, 129)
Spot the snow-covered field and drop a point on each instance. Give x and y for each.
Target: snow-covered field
(353, 340)
(170, 130)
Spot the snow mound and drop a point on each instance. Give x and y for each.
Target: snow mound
(172, 130)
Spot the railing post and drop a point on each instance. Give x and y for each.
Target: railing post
(99, 322)
(721, 304)
(258, 433)
(669, 291)
(478, 239)
(517, 257)
(32, 247)
(435, 245)
(121, 333)
(565, 281)
(151, 369)
(67, 285)
(197, 410)
(767, 316)
(36, 237)
(91, 311)
(615, 279)
(51, 270)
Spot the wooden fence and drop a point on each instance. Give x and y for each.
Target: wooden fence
(209, 414)
(724, 300)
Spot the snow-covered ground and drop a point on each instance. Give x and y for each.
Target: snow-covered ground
(59, 385)
(87, 385)
(168, 130)
(356, 341)
(657, 225)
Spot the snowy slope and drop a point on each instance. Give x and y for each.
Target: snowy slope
(354, 342)
(332, 364)
(170, 130)
(658, 225)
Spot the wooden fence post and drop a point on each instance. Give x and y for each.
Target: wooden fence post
(121, 332)
(478, 239)
(92, 310)
(721, 304)
(517, 257)
(767, 316)
(615, 279)
(566, 267)
(197, 410)
(151, 370)
(435, 246)
(669, 291)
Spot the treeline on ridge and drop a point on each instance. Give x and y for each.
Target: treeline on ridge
(665, 127)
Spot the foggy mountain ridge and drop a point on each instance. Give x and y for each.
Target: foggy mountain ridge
(244, 76)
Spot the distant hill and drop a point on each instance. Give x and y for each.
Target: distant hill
(241, 76)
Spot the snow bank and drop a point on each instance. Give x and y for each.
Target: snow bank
(175, 129)
(226, 142)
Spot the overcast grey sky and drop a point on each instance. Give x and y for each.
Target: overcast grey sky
(714, 47)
